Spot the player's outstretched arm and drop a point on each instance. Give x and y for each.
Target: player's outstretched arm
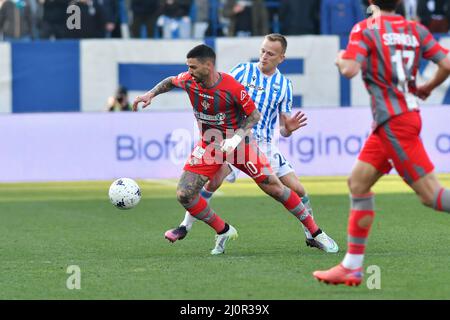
(290, 124)
(249, 122)
(164, 86)
(441, 74)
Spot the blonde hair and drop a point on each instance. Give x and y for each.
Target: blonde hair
(278, 37)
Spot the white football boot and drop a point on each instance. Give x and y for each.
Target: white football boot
(326, 243)
(222, 239)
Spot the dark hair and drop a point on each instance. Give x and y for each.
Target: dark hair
(121, 93)
(280, 38)
(202, 52)
(387, 5)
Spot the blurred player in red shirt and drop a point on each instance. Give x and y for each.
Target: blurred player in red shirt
(225, 114)
(387, 48)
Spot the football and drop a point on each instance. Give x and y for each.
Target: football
(124, 193)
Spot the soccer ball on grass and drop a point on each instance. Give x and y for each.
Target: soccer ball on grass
(124, 193)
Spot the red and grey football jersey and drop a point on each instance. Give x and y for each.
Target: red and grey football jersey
(221, 107)
(389, 49)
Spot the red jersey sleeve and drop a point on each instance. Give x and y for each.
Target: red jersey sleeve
(431, 49)
(180, 80)
(358, 47)
(244, 99)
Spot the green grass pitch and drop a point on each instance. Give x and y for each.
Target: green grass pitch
(47, 227)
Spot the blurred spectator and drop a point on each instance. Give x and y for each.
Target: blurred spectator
(175, 19)
(273, 11)
(35, 17)
(119, 102)
(145, 13)
(408, 9)
(201, 19)
(434, 14)
(247, 18)
(299, 17)
(92, 19)
(217, 22)
(339, 16)
(112, 18)
(53, 24)
(15, 19)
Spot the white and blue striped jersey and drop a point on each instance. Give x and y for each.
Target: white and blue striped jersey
(271, 94)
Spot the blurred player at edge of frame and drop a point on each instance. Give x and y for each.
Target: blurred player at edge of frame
(387, 48)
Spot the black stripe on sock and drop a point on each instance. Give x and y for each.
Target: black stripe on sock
(225, 229)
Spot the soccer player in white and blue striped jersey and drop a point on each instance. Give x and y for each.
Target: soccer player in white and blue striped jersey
(272, 93)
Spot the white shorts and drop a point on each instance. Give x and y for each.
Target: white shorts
(278, 162)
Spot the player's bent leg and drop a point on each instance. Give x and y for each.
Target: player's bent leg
(363, 177)
(206, 192)
(362, 213)
(324, 241)
(188, 195)
(187, 190)
(431, 193)
(218, 178)
(292, 202)
(291, 181)
(426, 188)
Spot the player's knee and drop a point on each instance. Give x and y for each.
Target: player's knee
(213, 185)
(273, 187)
(357, 187)
(299, 190)
(183, 197)
(276, 190)
(427, 200)
(349, 180)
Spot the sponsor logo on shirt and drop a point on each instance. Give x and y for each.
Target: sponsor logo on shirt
(216, 119)
(356, 28)
(204, 95)
(276, 87)
(251, 85)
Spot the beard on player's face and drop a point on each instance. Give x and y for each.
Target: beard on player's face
(200, 70)
(200, 75)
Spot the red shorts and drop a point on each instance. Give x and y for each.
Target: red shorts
(206, 160)
(397, 144)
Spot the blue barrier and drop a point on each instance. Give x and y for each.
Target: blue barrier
(48, 76)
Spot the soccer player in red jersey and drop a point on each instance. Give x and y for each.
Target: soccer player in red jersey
(388, 48)
(225, 114)
(261, 80)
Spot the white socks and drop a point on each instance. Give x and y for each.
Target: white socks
(353, 261)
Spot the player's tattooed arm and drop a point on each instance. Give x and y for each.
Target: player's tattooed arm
(189, 186)
(228, 145)
(248, 123)
(164, 86)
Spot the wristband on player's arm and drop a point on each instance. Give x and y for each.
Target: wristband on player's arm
(232, 142)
